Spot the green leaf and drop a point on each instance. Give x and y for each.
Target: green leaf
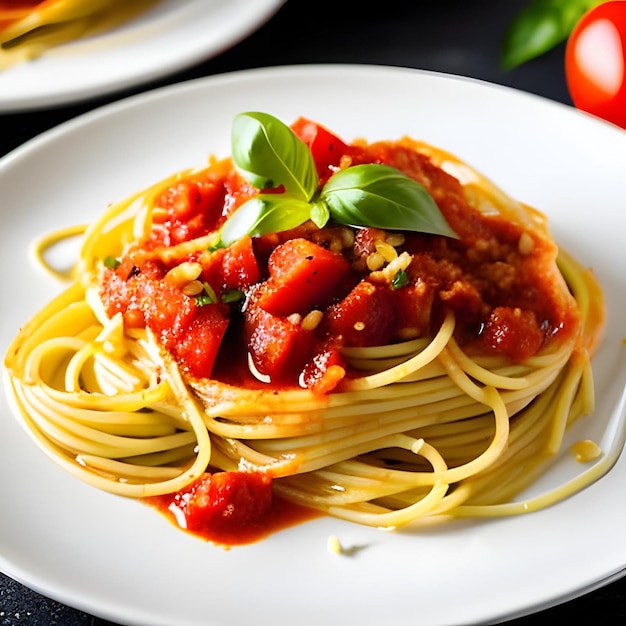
(401, 279)
(320, 214)
(232, 295)
(269, 154)
(383, 197)
(111, 262)
(539, 27)
(207, 296)
(263, 214)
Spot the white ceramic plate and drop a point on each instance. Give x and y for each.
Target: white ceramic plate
(122, 561)
(172, 35)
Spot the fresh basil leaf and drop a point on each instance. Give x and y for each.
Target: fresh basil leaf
(381, 196)
(539, 27)
(263, 214)
(269, 154)
(320, 213)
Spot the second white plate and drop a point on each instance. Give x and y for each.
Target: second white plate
(169, 37)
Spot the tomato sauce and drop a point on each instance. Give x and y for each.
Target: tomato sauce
(12, 11)
(230, 509)
(503, 300)
(278, 309)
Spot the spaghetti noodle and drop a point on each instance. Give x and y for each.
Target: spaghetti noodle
(28, 28)
(484, 364)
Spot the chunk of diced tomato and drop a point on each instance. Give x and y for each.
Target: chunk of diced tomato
(326, 148)
(326, 369)
(365, 317)
(235, 267)
(192, 334)
(413, 307)
(279, 347)
(225, 501)
(193, 208)
(303, 276)
(513, 332)
(239, 265)
(197, 347)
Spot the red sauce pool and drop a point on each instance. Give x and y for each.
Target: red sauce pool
(230, 509)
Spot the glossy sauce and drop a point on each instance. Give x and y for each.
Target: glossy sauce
(497, 278)
(230, 509)
(13, 10)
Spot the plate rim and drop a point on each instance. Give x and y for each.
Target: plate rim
(140, 100)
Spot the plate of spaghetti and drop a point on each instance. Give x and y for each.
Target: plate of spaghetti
(366, 348)
(55, 52)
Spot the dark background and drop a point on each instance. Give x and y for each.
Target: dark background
(460, 37)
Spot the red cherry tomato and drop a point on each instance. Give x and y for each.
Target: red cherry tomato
(595, 62)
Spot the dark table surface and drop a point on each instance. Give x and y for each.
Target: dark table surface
(461, 37)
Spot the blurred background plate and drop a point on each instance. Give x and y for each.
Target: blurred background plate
(172, 35)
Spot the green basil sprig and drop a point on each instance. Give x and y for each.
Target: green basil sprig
(539, 27)
(263, 214)
(269, 155)
(382, 197)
